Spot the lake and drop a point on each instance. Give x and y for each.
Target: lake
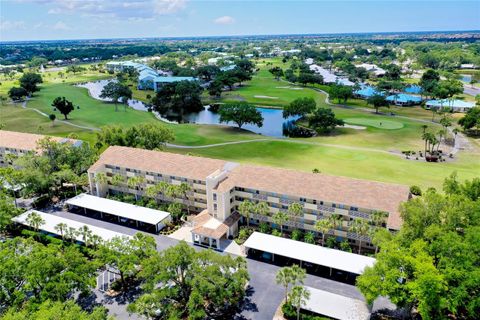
(272, 118)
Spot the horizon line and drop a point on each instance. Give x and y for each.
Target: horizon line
(246, 35)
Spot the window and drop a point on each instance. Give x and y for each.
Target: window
(314, 201)
(215, 207)
(334, 205)
(214, 197)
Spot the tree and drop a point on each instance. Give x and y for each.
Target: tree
(175, 209)
(186, 284)
(63, 106)
(126, 254)
(432, 263)
(362, 229)
(471, 120)
(7, 211)
(323, 120)
(340, 92)
(306, 77)
(207, 72)
(52, 118)
(30, 81)
(215, 88)
(262, 208)
(323, 226)
(429, 81)
(377, 101)
(299, 107)
(280, 218)
(67, 310)
(75, 69)
(299, 297)
(117, 92)
(184, 189)
(245, 208)
(178, 97)
(135, 183)
(277, 72)
(290, 276)
(17, 93)
(295, 209)
(240, 113)
(86, 233)
(35, 221)
(61, 228)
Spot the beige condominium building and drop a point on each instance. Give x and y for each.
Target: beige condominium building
(19, 143)
(218, 187)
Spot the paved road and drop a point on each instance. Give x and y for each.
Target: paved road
(264, 295)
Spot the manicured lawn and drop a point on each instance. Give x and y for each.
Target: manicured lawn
(376, 123)
(344, 162)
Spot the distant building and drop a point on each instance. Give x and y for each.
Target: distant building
(379, 72)
(402, 99)
(19, 143)
(455, 105)
(366, 92)
(329, 77)
(148, 78)
(468, 66)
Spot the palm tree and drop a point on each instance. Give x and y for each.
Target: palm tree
(117, 180)
(361, 228)
(71, 233)
(85, 232)
(184, 189)
(323, 226)
(61, 228)
(336, 220)
(295, 209)
(378, 218)
(284, 278)
(280, 218)
(299, 297)
(262, 209)
(424, 128)
(135, 183)
(245, 209)
(95, 240)
(35, 221)
(101, 178)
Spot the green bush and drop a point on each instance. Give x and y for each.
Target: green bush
(415, 190)
(345, 246)
(297, 235)
(276, 232)
(309, 237)
(331, 242)
(290, 313)
(264, 227)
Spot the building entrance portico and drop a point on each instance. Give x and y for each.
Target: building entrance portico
(208, 231)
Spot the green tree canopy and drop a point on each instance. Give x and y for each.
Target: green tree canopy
(433, 263)
(117, 92)
(240, 113)
(323, 120)
(299, 107)
(63, 106)
(17, 93)
(30, 81)
(184, 283)
(471, 120)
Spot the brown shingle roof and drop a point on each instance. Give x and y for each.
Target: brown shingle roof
(200, 225)
(159, 162)
(335, 189)
(23, 141)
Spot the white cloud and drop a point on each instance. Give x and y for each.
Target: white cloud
(10, 25)
(163, 7)
(60, 25)
(224, 20)
(121, 9)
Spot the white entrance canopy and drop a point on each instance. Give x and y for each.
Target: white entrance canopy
(336, 259)
(336, 306)
(119, 209)
(52, 220)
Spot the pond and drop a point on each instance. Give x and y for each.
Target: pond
(466, 78)
(273, 120)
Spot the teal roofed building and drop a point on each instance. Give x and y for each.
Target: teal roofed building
(367, 91)
(160, 81)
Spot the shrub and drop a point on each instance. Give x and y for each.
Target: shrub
(264, 227)
(309, 237)
(331, 242)
(415, 190)
(345, 246)
(297, 235)
(276, 232)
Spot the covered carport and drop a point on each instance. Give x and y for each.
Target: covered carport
(119, 212)
(315, 259)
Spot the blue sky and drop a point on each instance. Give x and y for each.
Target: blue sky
(81, 19)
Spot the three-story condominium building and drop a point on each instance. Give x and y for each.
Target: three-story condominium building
(217, 188)
(20, 143)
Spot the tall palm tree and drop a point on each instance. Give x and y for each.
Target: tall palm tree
(135, 183)
(336, 220)
(323, 226)
(360, 227)
(117, 180)
(295, 209)
(262, 209)
(71, 233)
(284, 278)
(424, 128)
(61, 228)
(299, 297)
(280, 218)
(85, 232)
(378, 218)
(184, 189)
(95, 240)
(35, 221)
(245, 208)
(101, 178)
